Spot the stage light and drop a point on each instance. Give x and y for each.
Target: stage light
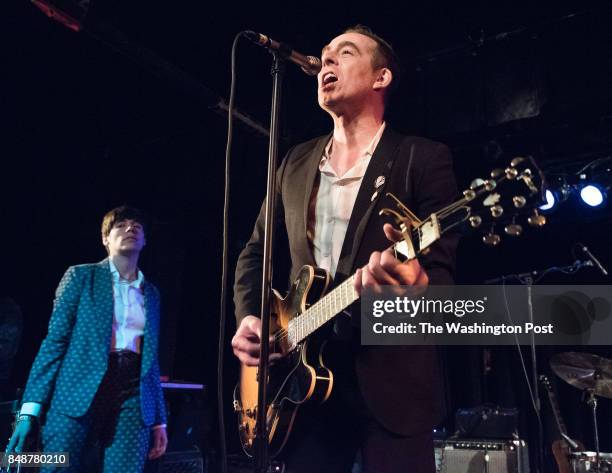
(589, 186)
(558, 191)
(592, 195)
(551, 201)
(595, 180)
(70, 13)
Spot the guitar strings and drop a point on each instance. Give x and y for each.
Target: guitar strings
(283, 334)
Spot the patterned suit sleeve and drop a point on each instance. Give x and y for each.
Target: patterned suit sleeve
(43, 374)
(160, 404)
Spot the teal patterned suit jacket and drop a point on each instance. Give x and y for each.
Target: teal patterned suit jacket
(73, 357)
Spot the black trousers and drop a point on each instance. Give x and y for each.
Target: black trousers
(329, 437)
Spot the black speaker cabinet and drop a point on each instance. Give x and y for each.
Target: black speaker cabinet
(188, 461)
(482, 456)
(189, 426)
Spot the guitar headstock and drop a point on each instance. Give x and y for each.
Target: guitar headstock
(500, 201)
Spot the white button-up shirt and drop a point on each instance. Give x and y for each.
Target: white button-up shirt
(128, 321)
(334, 204)
(129, 312)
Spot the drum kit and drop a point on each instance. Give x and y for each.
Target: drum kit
(591, 374)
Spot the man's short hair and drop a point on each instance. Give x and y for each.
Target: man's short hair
(384, 55)
(124, 212)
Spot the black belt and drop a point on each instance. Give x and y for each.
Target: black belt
(125, 363)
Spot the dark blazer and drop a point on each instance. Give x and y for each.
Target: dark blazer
(73, 357)
(398, 383)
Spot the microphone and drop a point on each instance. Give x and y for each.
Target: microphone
(311, 65)
(593, 259)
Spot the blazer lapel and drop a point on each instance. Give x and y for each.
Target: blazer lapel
(381, 164)
(104, 301)
(312, 174)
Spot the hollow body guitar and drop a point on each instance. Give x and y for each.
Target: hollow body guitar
(301, 375)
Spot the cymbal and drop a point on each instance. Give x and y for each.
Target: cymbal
(584, 371)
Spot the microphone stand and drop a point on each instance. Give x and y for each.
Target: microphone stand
(528, 279)
(261, 437)
(592, 403)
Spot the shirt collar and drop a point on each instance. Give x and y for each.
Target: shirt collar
(137, 283)
(367, 152)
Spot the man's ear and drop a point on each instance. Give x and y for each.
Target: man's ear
(384, 78)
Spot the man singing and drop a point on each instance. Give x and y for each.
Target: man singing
(385, 400)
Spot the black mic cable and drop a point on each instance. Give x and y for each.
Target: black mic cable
(311, 65)
(224, 261)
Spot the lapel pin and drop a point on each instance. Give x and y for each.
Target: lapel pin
(380, 180)
(374, 196)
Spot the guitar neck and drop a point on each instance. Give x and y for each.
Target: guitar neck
(333, 303)
(322, 311)
(554, 405)
(557, 413)
(418, 236)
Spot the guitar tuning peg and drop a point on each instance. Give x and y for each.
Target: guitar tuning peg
(496, 173)
(475, 221)
(536, 220)
(497, 211)
(469, 194)
(511, 173)
(490, 184)
(519, 201)
(491, 239)
(476, 183)
(516, 161)
(513, 229)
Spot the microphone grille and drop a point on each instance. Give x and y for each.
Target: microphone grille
(314, 65)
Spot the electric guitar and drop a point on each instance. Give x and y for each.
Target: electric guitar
(301, 375)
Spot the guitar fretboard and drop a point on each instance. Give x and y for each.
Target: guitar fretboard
(556, 411)
(554, 405)
(326, 308)
(421, 237)
(322, 311)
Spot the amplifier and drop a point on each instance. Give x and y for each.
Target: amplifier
(481, 456)
(189, 461)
